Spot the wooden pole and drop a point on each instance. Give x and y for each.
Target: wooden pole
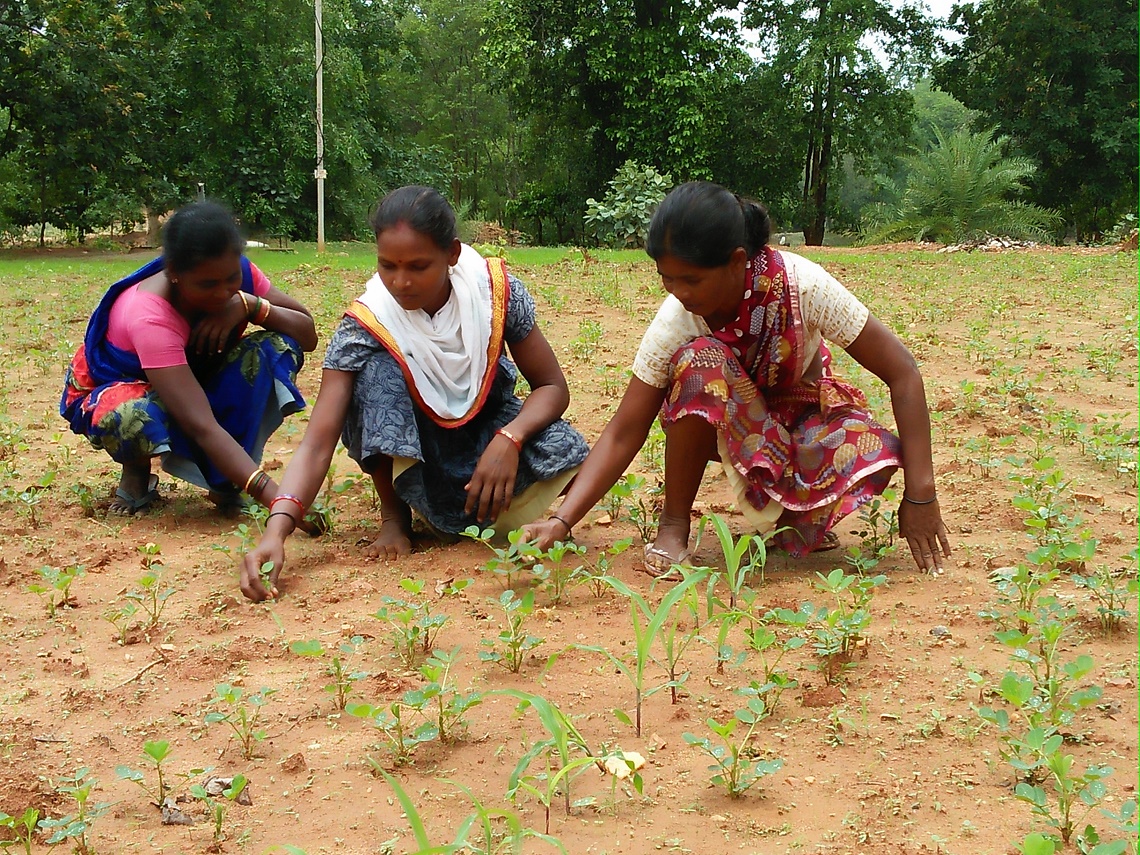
(319, 173)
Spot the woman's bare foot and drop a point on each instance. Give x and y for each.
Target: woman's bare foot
(137, 489)
(395, 540)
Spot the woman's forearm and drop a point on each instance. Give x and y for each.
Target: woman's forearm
(908, 402)
(542, 407)
(294, 323)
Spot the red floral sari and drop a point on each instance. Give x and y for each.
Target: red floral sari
(812, 447)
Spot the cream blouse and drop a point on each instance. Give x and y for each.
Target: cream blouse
(827, 310)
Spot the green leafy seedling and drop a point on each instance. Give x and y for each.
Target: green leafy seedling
(342, 678)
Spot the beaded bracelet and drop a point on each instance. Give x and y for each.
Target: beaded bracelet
(252, 476)
(285, 497)
(929, 501)
(511, 437)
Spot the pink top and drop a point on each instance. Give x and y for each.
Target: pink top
(148, 326)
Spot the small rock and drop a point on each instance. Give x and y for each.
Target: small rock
(940, 631)
(295, 762)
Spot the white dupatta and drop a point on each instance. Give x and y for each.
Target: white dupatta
(447, 356)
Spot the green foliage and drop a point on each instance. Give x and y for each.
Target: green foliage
(621, 218)
(342, 678)
(735, 766)
(843, 61)
(218, 808)
(964, 188)
(74, 827)
(414, 626)
(57, 580)
(1060, 78)
(241, 713)
(513, 643)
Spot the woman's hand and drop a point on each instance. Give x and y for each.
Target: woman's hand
(545, 533)
(255, 586)
(492, 486)
(925, 534)
(212, 332)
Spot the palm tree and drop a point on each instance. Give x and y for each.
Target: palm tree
(963, 188)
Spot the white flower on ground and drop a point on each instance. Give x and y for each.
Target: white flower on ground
(623, 764)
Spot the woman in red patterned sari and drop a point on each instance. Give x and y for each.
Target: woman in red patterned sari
(736, 365)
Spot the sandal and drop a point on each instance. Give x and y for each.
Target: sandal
(127, 505)
(830, 541)
(659, 563)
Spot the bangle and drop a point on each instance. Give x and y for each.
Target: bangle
(285, 497)
(252, 477)
(264, 307)
(259, 484)
(929, 501)
(245, 303)
(512, 438)
(292, 518)
(569, 528)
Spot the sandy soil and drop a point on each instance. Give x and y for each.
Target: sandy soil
(891, 758)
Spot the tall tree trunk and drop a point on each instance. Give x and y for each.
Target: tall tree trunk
(151, 226)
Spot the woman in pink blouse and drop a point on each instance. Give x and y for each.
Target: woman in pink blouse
(168, 369)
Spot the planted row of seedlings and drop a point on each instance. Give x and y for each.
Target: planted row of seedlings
(1043, 692)
(705, 608)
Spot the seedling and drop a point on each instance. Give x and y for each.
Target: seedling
(157, 753)
(218, 808)
(1071, 791)
(549, 783)
(734, 766)
(1112, 591)
(150, 595)
(123, 619)
(510, 561)
(595, 575)
(513, 644)
(241, 714)
(485, 820)
(564, 742)
(57, 581)
(556, 576)
(74, 827)
(648, 624)
(401, 737)
(880, 527)
(342, 678)
(23, 826)
(447, 705)
(742, 557)
(840, 629)
(414, 627)
(771, 649)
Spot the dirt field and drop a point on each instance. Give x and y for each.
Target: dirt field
(1028, 356)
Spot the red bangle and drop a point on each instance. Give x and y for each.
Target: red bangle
(285, 497)
(511, 437)
(264, 307)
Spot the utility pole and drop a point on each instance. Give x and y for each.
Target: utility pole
(319, 173)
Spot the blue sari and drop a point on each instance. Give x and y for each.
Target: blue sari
(250, 386)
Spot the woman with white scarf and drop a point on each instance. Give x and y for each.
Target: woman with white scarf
(417, 385)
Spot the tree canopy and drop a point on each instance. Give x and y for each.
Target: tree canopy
(522, 110)
(1060, 78)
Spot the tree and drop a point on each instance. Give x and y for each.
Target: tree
(964, 188)
(1060, 78)
(844, 64)
(69, 91)
(610, 81)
